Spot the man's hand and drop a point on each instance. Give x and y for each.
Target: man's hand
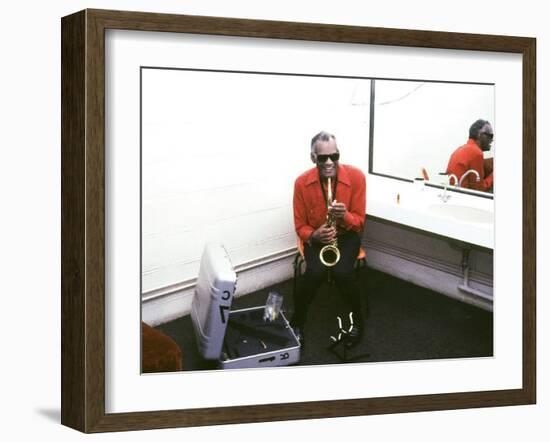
(338, 210)
(324, 234)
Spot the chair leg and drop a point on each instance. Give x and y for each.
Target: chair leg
(296, 273)
(298, 264)
(359, 264)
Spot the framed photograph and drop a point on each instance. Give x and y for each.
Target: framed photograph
(179, 132)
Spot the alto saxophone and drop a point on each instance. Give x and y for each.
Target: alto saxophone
(330, 254)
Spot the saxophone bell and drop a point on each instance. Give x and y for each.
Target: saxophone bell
(329, 255)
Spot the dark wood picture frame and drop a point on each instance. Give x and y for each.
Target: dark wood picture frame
(83, 220)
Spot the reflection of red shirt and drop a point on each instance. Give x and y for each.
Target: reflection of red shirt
(310, 209)
(470, 156)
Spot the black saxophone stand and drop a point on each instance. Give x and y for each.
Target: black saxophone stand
(344, 341)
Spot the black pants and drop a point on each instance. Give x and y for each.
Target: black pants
(316, 274)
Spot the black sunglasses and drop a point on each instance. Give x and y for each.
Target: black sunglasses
(323, 158)
(488, 135)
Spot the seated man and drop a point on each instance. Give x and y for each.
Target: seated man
(470, 156)
(310, 215)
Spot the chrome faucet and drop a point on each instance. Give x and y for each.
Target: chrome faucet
(466, 174)
(452, 175)
(444, 196)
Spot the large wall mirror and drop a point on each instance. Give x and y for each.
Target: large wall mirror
(417, 125)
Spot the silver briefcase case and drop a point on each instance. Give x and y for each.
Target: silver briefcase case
(240, 338)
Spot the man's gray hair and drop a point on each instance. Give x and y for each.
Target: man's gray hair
(323, 136)
(473, 133)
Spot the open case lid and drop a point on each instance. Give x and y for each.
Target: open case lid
(212, 300)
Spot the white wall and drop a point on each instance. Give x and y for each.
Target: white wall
(220, 154)
(30, 258)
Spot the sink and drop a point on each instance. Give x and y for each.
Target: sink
(462, 213)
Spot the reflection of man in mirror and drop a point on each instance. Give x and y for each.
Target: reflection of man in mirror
(470, 157)
(311, 203)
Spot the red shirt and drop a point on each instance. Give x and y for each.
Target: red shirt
(310, 210)
(470, 156)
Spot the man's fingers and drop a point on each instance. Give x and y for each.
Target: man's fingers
(328, 235)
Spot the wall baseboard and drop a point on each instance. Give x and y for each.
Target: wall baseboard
(159, 309)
